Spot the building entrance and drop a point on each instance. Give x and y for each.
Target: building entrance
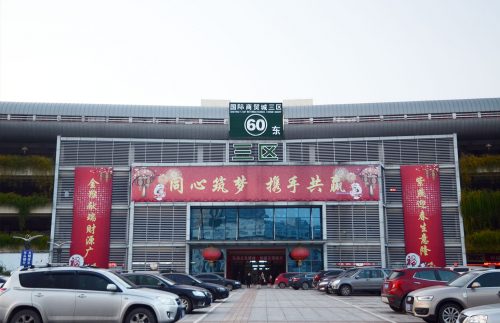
(240, 262)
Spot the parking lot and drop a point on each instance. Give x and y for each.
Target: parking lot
(288, 305)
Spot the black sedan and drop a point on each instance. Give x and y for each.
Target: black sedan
(219, 280)
(218, 292)
(192, 297)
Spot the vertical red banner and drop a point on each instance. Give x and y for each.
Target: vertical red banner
(422, 215)
(91, 216)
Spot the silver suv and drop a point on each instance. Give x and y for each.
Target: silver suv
(444, 303)
(70, 294)
(358, 279)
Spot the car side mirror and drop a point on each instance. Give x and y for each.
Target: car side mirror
(475, 285)
(111, 288)
(162, 285)
(356, 277)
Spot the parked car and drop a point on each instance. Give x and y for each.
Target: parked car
(323, 273)
(219, 280)
(347, 272)
(69, 294)
(444, 303)
(217, 291)
(303, 280)
(191, 297)
(402, 281)
(283, 279)
(359, 279)
(480, 314)
(322, 285)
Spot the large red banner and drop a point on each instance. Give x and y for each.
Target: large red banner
(422, 215)
(91, 215)
(255, 183)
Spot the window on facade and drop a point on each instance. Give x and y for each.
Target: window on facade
(254, 223)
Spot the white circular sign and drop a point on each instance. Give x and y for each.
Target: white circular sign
(76, 260)
(255, 124)
(412, 260)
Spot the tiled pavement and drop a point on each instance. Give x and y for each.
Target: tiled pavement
(287, 305)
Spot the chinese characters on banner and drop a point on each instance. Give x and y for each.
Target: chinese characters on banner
(255, 183)
(91, 215)
(422, 213)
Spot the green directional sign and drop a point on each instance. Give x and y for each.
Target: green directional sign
(256, 120)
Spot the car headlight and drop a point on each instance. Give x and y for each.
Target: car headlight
(335, 282)
(166, 300)
(221, 289)
(481, 318)
(198, 293)
(425, 298)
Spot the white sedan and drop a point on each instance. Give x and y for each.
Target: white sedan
(480, 314)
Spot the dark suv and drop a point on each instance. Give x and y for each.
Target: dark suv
(192, 297)
(403, 281)
(219, 280)
(304, 281)
(218, 292)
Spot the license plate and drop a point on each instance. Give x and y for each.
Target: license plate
(408, 307)
(385, 299)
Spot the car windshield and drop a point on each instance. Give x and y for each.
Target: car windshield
(168, 281)
(195, 279)
(463, 280)
(396, 274)
(124, 280)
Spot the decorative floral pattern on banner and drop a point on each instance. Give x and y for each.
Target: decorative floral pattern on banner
(255, 183)
(422, 215)
(91, 215)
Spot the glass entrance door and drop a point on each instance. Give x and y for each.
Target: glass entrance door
(241, 262)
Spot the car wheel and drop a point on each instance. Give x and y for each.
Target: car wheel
(187, 304)
(281, 285)
(26, 316)
(448, 313)
(230, 287)
(305, 286)
(345, 290)
(395, 309)
(140, 314)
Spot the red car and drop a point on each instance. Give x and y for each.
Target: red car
(282, 280)
(403, 281)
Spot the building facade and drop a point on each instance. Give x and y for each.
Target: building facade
(259, 233)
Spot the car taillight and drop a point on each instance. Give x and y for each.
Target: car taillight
(395, 284)
(295, 279)
(316, 277)
(2, 290)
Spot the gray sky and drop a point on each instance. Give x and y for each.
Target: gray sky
(179, 52)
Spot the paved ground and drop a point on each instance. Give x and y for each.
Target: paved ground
(288, 305)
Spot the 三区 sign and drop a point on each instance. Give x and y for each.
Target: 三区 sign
(92, 216)
(256, 120)
(255, 183)
(421, 194)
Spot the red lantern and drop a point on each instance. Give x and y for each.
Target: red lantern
(211, 254)
(299, 253)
